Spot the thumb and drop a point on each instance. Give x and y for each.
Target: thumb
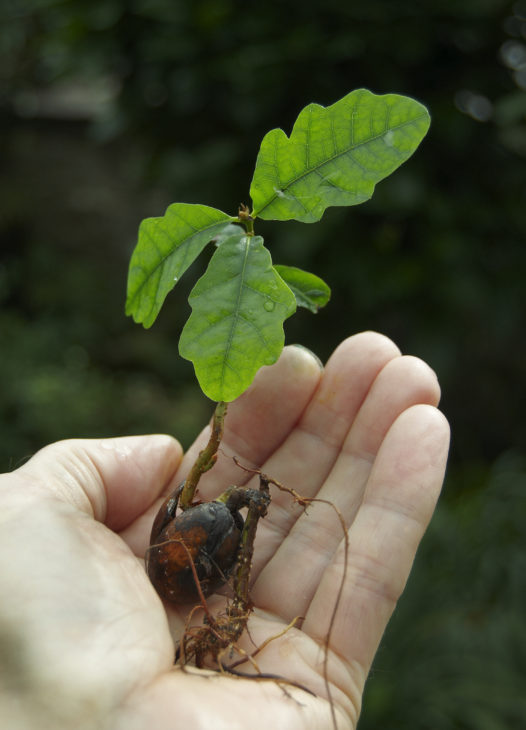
(114, 480)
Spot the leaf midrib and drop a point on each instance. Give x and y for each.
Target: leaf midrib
(246, 243)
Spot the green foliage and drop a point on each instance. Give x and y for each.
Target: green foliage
(236, 325)
(310, 291)
(166, 247)
(335, 155)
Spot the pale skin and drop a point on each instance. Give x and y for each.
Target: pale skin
(85, 641)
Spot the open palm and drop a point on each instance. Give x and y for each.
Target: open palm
(363, 434)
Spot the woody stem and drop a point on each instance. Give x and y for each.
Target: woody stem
(257, 508)
(207, 457)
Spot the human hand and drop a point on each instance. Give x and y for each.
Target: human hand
(85, 639)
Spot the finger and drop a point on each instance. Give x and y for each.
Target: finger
(400, 497)
(115, 480)
(306, 457)
(402, 383)
(310, 451)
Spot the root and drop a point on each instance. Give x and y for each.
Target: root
(250, 657)
(282, 682)
(216, 640)
(305, 502)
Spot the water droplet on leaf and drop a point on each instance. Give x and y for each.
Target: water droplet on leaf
(269, 305)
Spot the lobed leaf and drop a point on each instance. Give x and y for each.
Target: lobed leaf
(335, 155)
(310, 291)
(236, 326)
(167, 246)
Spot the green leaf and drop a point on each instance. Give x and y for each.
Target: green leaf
(310, 291)
(335, 155)
(167, 246)
(236, 325)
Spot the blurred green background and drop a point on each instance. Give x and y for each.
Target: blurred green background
(112, 109)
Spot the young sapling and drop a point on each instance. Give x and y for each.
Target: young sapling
(334, 156)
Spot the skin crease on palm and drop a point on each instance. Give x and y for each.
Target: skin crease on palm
(86, 642)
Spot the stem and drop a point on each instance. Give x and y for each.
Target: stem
(246, 219)
(257, 508)
(207, 457)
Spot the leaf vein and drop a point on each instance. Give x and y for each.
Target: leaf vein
(185, 242)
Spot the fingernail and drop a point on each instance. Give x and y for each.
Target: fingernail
(312, 354)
